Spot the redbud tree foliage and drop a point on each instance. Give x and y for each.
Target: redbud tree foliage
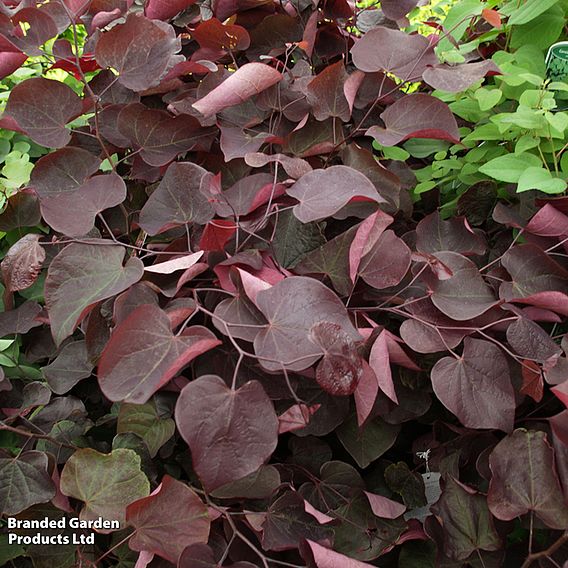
(231, 322)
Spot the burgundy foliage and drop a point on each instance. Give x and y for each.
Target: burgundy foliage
(246, 330)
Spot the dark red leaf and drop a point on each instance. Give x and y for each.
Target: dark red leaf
(177, 200)
(416, 116)
(292, 307)
(326, 93)
(170, 519)
(454, 79)
(139, 360)
(387, 262)
(159, 136)
(230, 433)
(404, 55)
(341, 184)
(141, 50)
(533, 384)
(213, 34)
(476, 387)
(434, 234)
(465, 294)
(397, 9)
(42, 107)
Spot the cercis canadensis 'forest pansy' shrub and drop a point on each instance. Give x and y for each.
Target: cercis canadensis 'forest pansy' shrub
(237, 323)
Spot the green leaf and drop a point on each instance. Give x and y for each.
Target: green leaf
(368, 443)
(543, 31)
(509, 167)
(526, 142)
(143, 420)
(468, 524)
(107, 483)
(488, 98)
(527, 12)
(541, 179)
(293, 240)
(409, 485)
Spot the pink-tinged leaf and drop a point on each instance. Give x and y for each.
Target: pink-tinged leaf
(177, 200)
(416, 116)
(434, 234)
(384, 507)
(73, 213)
(477, 387)
(296, 417)
(62, 171)
(81, 275)
(553, 301)
(340, 369)
(366, 236)
(318, 556)
(379, 361)
(322, 518)
(230, 433)
(292, 307)
(252, 285)
(9, 62)
(397, 9)
(294, 167)
(397, 354)
(213, 34)
(548, 222)
(351, 87)
(387, 262)
(456, 78)
(179, 263)
(166, 9)
(168, 521)
(322, 193)
(22, 264)
(144, 558)
(141, 50)
(140, 359)
(159, 136)
(533, 384)
(464, 295)
(561, 392)
(365, 394)
(249, 80)
(524, 479)
(406, 56)
(41, 108)
(325, 93)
